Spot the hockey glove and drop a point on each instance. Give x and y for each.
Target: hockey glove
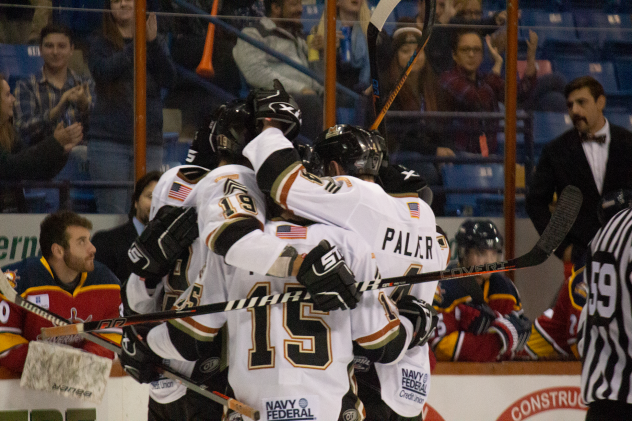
(277, 105)
(172, 230)
(513, 330)
(474, 318)
(136, 357)
(328, 279)
(422, 315)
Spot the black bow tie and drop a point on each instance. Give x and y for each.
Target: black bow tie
(588, 137)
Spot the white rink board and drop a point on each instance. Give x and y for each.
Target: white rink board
(505, 398)
(124, 400)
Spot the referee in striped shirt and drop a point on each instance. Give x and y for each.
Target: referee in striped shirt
(606, 344)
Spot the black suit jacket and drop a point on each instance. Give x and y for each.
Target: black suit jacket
(564, 163)
(112, 248)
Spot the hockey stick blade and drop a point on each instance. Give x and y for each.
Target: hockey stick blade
(11, 295)
(562, 220)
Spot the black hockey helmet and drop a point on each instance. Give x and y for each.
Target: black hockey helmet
(358, 151)
(612, 203)
(481, 234)
(225, 132)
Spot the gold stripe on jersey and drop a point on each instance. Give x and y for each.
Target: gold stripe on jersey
(10, 340)
(284, 182)
(580, 291)
(462, 300)
(215, 234)
(194, 329)
(541, 344)
(446, 349)
(380, 338)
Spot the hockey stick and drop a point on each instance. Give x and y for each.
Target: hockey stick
(566, 211)
(12, 296)
(378, 18)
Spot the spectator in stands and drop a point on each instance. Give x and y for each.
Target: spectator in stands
(38, 162)
(480, 318)
(111, 133)
(456, 12)
(112, 245)
(56, 93)
(352, 63)
(594, 156)
(465, 88)
(281, 30)
(65, 280)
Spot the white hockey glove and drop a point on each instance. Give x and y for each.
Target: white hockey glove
(422, 315)
(328, 279)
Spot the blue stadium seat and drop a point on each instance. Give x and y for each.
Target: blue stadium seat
(311, 16)
(19, 62)
(624, 75)
(602, 71)
(406, 8)
(546, 127)
(556, 32)
(174, 151)
(612, 33)
(620, 119)
(68, 13)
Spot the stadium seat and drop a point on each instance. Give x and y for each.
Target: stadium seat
(19, 62)
(311, 16)
(620, 119)
(624, 75)
(556, 32)
(546, 127)
(602, 71)
(174, 151)
(406, 8)
(610, 32)
(543, 66)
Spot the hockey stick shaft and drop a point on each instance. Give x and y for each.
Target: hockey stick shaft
(12, 296)
(561, 222)
(375, 27)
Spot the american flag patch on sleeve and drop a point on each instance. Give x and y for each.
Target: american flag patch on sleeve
(414, 209)
(179, 191)
(289, 232)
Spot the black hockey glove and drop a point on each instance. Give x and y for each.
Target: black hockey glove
(136, 357)
(276, 104)
(422, 315)
(172, 230)
(474, 318)
(514, 331)
(397, 179)
(328, 279)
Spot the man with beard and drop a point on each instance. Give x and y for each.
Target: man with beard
(66, 281)
(281, 29)
(594, 156)
(112, 244)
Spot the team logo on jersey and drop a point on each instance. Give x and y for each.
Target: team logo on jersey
(295, 409)
(12, 277)
(361, 364)
(210, 365)
(350, 415)
(413, 207)
(74, 319)
(443, 243)
(235, 416)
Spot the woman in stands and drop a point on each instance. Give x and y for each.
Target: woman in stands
(111, 133)
(41, 161)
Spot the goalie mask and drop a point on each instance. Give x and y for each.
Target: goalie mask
(482, 235)
(224, 134)
(358, 151)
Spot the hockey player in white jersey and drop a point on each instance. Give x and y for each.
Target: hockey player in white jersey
(291, 361)
(230, 208)
(401, 230)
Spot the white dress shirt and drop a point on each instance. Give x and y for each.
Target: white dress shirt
(597, 156)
